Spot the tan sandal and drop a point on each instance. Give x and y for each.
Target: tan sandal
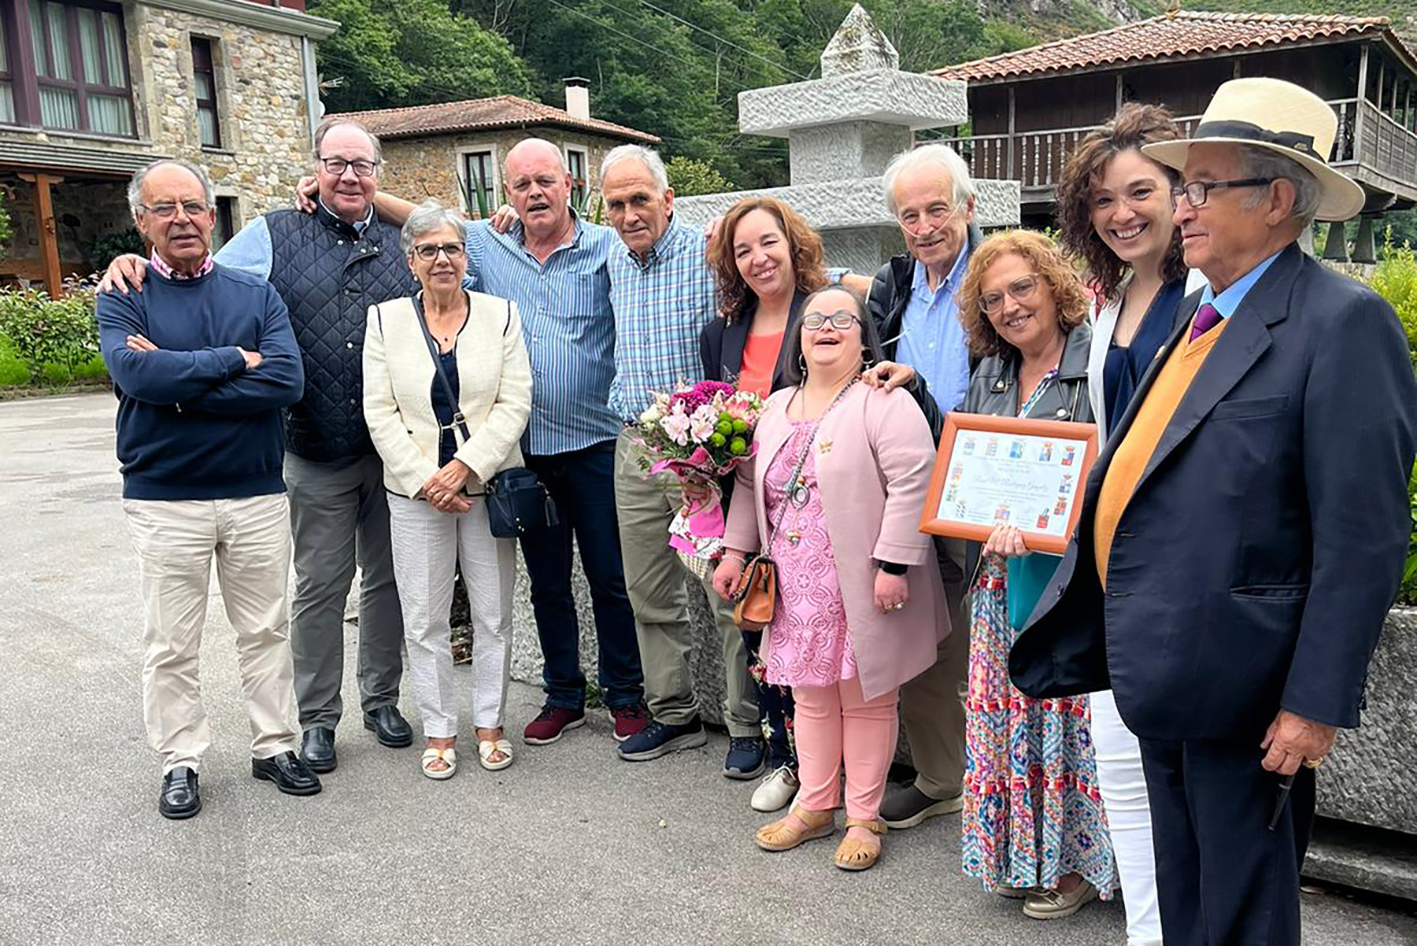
(784, 835)
(852, 854)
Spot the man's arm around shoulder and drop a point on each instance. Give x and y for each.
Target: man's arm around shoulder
(250, 250)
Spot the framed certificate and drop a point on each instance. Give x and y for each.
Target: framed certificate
(1028, 473)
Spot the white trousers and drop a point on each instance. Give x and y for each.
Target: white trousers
(427, 545)
(175, 541)
(1123, 785)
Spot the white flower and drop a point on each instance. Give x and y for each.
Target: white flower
(676, 425)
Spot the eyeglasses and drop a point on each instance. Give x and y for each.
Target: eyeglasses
(336, 166)
(841, 321)
(430, 251)
(192, 208)
(937, 216)
(1196, 192)
(1021, 289)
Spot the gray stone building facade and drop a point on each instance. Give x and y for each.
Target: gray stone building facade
(91, 91)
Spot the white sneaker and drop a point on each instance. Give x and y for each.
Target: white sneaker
(775, 790)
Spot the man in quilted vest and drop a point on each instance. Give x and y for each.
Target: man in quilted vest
(329, 268)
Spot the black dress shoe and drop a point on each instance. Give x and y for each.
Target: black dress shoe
(317, 748)
(290, 774)
(390, 728)
(179, 797)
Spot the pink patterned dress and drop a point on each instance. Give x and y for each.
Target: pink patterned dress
(807, 643)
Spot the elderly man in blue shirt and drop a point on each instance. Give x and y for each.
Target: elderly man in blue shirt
(912, 301)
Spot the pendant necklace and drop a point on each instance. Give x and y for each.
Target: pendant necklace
(799, 494)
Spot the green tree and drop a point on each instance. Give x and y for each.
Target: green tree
(391, 53)
(5, 232)
(689, 178)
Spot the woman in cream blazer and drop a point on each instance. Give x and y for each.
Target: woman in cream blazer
(438, 456)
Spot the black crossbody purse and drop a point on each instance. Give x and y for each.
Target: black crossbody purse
(517, 502)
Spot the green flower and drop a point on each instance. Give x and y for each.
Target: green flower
(718, 440)
(724, 427)
(738, 446)
(740, 426)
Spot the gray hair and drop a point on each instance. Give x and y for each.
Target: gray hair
(1262, 162)
(938, 156)
(135, 186)
(646, 156)
(425, 218)
(335, 121)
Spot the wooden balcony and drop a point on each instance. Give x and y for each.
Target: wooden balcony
(1371, 147)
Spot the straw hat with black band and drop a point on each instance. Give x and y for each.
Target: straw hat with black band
(1280, 117)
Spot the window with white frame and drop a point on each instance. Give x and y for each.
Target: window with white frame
(479, 174)
(580, 181)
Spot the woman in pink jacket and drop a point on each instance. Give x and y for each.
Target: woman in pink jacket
(838, 484)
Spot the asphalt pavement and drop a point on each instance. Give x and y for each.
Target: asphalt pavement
(570, 845)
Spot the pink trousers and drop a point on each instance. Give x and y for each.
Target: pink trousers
(835, 723)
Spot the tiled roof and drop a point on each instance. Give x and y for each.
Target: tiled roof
(502, 111)
(1183, 33)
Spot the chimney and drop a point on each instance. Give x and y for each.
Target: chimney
(578, 97)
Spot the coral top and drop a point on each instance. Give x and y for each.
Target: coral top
(760, 354)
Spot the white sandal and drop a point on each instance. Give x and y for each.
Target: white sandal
(448, 754)
(485, 748)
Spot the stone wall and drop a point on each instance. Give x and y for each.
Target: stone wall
(419, 168)
(261, 106)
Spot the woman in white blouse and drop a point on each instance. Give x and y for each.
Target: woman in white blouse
(441, 440)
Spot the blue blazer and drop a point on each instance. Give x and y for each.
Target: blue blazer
(1254, 565)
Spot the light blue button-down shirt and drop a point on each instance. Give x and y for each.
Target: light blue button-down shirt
(661, 307)
(569, 327)
(250, 250)
(1228, 301)
(932, 340)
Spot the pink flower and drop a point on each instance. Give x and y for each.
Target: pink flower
(702, 423)
(676, 425)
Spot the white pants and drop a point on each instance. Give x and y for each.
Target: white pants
(427, 545)
(1123, 785)
(175, 541)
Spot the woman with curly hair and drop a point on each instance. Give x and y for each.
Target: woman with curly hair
(1033, 826)
(766, 261)
(1115, 208)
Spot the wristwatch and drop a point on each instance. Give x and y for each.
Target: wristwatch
(892, 568)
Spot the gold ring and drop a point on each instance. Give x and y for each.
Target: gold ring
(1314, 763)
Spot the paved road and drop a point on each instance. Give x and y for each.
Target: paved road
(570, 845)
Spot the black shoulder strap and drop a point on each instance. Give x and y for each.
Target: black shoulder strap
(458, 418)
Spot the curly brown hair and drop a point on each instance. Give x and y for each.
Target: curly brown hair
(1134, 125)
(1047, 261)
(803, 246)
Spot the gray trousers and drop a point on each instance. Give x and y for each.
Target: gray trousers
(339, 517)
(932, 704)
(654, 579)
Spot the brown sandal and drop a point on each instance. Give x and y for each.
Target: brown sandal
(852, 854)
(784, 835)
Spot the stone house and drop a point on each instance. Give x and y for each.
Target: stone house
(90, 91)
(439, 150)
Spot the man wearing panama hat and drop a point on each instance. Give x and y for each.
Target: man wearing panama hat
(1242, 536)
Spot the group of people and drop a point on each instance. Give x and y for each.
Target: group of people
(348, 379)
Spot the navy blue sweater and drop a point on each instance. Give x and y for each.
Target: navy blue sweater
(193, 422)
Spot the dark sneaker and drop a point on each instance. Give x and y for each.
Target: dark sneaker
(629, 720)
(550, 723)
(659, 739)
(907, 807)
(747, 757)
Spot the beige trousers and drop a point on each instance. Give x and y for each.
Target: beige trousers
(932, 705)
(654, 579)
(175, 542)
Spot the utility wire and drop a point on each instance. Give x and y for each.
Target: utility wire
(726, 42)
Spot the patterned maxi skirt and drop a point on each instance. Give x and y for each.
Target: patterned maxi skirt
(1032, 808)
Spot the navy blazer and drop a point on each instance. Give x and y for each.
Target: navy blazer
(1264, 543)
(721, 345)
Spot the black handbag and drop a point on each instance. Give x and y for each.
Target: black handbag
(517, 502)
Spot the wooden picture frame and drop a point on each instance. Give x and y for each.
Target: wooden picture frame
(991, 469)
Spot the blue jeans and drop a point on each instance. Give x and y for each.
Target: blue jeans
(582, 484)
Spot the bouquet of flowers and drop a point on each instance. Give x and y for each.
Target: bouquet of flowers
(700, 433)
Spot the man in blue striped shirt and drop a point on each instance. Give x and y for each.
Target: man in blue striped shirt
(553, 265)
(662, 291)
